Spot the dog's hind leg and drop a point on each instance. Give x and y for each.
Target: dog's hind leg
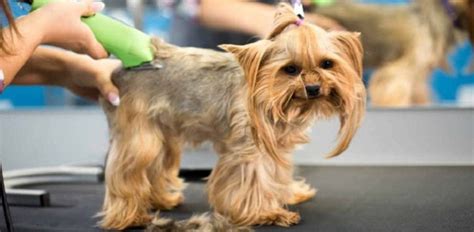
(166, 186)
(136, 142)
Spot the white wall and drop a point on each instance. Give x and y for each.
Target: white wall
(439, 136)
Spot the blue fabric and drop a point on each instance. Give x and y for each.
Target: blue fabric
(445, 84)
(17, 8)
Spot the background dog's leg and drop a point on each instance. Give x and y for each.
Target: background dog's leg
(251, 189)
(401, 84)
(421, 90)
(166, 186)
(392, 85)
(136, 141)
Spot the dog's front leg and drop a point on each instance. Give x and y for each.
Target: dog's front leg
(251, 190)
(300, 192)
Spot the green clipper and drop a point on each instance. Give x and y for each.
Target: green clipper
(128, 44)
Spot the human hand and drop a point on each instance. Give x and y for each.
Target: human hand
(90, 78)
(65, 29)
(324, 22)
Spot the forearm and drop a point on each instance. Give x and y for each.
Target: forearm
(21, 45)
(80, 74)
(46, 66)
(248, 17)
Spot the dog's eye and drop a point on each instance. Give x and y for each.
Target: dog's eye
(326, 64)
(292, 70)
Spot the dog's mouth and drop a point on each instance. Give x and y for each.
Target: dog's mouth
(305, 98)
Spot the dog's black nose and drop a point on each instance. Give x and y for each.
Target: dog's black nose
(312, 90)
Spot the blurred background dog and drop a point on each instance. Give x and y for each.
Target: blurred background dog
(404, 43)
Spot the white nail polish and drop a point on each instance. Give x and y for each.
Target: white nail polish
(98, 6)
(114, 99)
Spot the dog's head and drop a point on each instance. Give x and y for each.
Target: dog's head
(299, 73)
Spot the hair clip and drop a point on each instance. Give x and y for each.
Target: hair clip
(298, 8)
(299, 22)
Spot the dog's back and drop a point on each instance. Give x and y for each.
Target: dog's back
(183, 90)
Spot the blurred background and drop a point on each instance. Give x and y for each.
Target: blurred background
(452, 85)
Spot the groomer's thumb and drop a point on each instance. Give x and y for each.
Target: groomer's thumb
(90, 8)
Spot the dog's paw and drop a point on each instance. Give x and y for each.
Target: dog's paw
(120, 222)
(301, 192)
(284, 218)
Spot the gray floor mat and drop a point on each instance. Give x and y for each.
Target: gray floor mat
(349, 199)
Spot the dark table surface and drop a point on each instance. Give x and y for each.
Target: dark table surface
(349, 199)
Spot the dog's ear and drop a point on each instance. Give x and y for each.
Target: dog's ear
(350, 48)
(250, 57)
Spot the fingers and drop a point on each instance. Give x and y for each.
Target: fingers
(89, 44)
(92, 47)
(89, 7)
(107, 90)
(325, 22)
(110, 92)
(88, 93)
(106, 87)
(333, 25)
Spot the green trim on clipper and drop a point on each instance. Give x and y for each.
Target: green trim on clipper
(128, 44)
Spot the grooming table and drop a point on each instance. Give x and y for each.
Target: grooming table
(349, 199)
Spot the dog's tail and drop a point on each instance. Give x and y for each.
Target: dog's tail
(206, 222)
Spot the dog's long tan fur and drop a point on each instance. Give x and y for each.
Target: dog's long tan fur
(247, 105)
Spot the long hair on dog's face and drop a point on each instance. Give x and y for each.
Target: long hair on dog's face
(299, 73)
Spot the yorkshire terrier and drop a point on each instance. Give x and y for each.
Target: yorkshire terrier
(255, 103)
(404, 43)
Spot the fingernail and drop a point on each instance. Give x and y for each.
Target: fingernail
(114, 99)
(98, 6)
(2, 81)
